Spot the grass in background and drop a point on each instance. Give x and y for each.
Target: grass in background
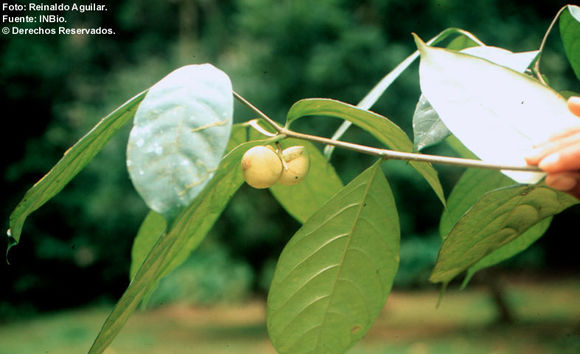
(547, 321)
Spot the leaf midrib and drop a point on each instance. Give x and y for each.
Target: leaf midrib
(341, 263)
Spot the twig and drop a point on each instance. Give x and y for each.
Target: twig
(384, 153)
(543, 44)
(245, 102)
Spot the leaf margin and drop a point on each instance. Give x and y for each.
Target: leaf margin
(71, 163)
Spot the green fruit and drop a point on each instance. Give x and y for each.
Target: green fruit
(261, 167)
(297, 165)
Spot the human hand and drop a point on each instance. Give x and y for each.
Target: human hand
(560, 156)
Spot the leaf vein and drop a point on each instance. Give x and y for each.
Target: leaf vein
(300, 288)
(325, 244)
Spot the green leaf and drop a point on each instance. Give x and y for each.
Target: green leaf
(379, 126)
(186, 232)
(496, 112)
(303, 199)
(509, 250)
(498, 218)
(334, 275)
(427, 126)
(376, 92)
(461, 42)
(459, 148)
(179, 135)
(469, 189)
(149, 232)
(73, 161)
(570, 34)
(238, 136)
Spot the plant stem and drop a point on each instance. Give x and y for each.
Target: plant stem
(409, 156)
(262, 115)
(384, 153)
(543, 44)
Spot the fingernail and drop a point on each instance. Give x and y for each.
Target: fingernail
(549, 161)
(561, 183)
(533, 153)
(574, 100)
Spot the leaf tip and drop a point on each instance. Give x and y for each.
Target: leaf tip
(441, 294)
(11, 243)
(466, 279)
(419, 42)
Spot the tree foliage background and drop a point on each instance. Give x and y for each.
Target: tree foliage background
(76, 249)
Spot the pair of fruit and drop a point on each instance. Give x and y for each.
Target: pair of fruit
(263, 166)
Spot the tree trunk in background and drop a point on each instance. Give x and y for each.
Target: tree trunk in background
(495, 285)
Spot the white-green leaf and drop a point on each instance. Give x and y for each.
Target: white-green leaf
(173, 246)
(463, 39)
(498, 113)
(334, 275)
(428, 129)
(516, 61)
(180, 133)
(427, 126)
(154, 224)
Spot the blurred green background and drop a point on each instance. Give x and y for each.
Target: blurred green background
(75, 251)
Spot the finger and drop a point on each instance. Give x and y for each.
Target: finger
(574, 105)
(563, 181)
(567, 159)
(574, 191)
(544, 150)
(565, 134)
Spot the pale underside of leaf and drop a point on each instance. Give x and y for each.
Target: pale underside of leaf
(428, 129)
(427, 126)
(335, 274)
(186, 232)
(464, 39)
(498, 113)
(180, 132)
(154, 223)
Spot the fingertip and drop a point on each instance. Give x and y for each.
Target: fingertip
(532, 160)
(550, 162)
(561, 182)
(574, 105)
